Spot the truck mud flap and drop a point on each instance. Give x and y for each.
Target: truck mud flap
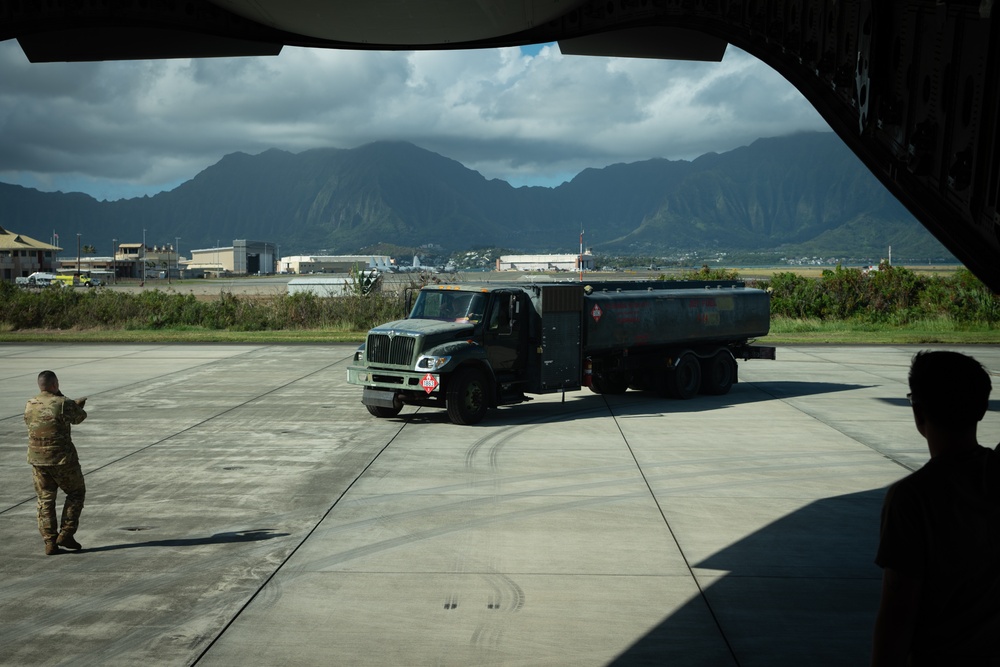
(382, 398)
(758, 352)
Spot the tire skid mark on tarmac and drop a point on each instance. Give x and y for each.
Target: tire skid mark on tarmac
(268, 593)
(807, 463)
(407, 516)
(506, 596)
(506, 599)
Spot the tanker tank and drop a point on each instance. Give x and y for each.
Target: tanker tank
(614, 320)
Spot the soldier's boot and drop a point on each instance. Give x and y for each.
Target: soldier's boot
(68, 542)
(51, 548)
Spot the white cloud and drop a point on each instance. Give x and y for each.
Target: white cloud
(529, 116)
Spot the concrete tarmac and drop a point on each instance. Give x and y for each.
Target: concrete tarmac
(243, 508)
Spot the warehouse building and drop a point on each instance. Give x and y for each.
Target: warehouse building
(303, 264)
(573, 262)
(242, 258)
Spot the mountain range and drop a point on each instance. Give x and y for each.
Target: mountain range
(800, 194)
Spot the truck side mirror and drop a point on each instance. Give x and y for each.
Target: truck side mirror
(408, 299)
(511, 312)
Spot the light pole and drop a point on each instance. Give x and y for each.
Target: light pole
(114, 260)
(142, 276)
(177, 256)
(77, 256)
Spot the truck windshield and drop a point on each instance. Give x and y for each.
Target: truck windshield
(449, 306)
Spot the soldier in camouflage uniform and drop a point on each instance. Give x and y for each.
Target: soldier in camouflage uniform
(54, 461)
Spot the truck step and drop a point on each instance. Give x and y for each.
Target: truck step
(511, 395)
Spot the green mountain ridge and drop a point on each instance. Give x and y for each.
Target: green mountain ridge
(804, 193)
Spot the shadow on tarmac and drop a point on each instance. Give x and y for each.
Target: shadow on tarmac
(807, 580)
(255, 535)
(637, 403)
(994, 405)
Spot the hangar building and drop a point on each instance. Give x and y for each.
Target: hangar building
(302, 264)
(572, 262)
(242, 258)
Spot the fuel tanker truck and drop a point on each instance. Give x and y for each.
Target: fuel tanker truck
(469, 347)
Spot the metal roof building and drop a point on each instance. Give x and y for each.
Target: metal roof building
(567, 262)
(22, 255)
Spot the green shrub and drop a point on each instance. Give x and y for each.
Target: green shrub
(891, 296)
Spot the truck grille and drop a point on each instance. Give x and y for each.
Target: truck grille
(393, 350)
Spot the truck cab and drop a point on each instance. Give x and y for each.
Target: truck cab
(462, 347)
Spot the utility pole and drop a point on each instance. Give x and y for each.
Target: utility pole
(78, 255)
(142, 276)
(177, 257)
(114, 261)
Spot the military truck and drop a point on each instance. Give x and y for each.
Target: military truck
(470, 347)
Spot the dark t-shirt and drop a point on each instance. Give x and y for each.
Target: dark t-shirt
(941, 524)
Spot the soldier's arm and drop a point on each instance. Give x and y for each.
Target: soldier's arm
(73, 411)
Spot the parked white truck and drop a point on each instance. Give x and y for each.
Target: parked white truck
(37, 279)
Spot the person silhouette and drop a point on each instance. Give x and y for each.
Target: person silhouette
(939, 545)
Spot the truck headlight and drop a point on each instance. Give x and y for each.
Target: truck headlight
(432, 363)
(359, 355)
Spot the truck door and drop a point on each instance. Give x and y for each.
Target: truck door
(505, 334)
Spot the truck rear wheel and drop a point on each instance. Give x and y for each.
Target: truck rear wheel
(468, 397)
(683, 380)
(718, 374)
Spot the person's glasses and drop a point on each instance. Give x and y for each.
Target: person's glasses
(909, 397)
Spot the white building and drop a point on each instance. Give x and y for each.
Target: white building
(546, 262)
(302, 264)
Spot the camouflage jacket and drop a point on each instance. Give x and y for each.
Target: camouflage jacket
(49, 418)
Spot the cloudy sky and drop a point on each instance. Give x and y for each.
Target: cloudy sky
(530, 116)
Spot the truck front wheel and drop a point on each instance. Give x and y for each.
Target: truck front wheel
(609, 383)
(468, 397)
(684, 379)
(383, 412)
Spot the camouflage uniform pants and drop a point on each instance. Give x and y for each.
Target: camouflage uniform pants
(48, 480)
